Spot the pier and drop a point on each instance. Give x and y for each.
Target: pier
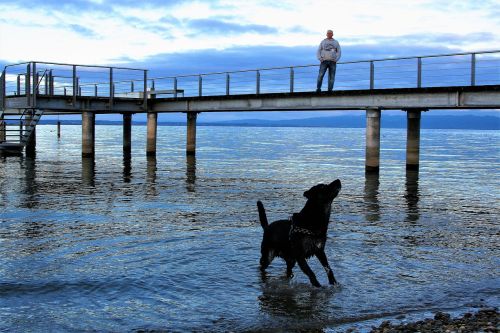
(411, 84)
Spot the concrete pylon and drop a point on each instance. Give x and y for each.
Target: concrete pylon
(31, 144)
(152, 127)
(88, 134)
(127, 132)
(191, 133)
(413, 139)
(372, 163)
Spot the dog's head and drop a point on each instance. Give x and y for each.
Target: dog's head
(322, 193)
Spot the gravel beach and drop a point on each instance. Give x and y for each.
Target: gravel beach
(485, 320)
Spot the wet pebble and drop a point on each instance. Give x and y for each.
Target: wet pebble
(485, 320)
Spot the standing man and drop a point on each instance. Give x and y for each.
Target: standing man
(328, 54)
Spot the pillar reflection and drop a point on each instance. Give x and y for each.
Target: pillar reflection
(127, 166)
(372, 183)
(412, 195)
(151, 169)
(190, 172)
(151, 175)
(88, 171)
(31, 188)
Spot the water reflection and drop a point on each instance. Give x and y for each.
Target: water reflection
(151, 169)
(190, 173)
(300, 308)
(127, 165)
(412, 195)
(372, 184)
(31, 185)
(88, 171)
(151, 176)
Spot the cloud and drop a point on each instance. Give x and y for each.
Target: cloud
(106, 32)
(219, 27)
(82, 30)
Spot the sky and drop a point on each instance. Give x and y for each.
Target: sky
(185, 37)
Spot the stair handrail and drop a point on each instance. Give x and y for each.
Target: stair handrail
(2, 90)
(27, 133)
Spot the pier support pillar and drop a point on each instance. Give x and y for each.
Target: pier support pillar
(372, 156)
(58, 129)
(413, 139)
(31, 145)
(127, 133)
(191, 133)
(3, 134)
(152, 124)
(88, 134)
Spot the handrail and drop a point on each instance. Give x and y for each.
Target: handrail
(64, 64)
(269, 68)
(417, 73)
(340, 62)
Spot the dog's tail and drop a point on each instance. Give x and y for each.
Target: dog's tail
(262, 214)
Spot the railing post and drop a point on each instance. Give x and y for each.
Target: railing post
(419, 73)
(145, 95)
(95, 90)
(372, 75)
(27, 84)
(75, 83)
(131, 86)
(3, 93)
(473, 70)
(78, 89)
(291, 79)
(152, 84)
(200, 86)
(46, 83)
(18, 84)
(35, 85)
(257, 85)
(51, 83)
(111, 88)
(175, 87)
(227, 84)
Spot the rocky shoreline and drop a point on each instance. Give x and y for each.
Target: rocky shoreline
(485, 320)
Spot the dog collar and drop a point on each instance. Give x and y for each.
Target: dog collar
(299, 230)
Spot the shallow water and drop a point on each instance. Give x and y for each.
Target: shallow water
(130, 243)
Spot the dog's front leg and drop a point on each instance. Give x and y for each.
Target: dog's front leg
(320, 254)
(307, 270)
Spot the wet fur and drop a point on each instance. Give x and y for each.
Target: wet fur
(308, 237)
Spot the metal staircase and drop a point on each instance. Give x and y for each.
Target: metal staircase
(18, 124)
(16, 128)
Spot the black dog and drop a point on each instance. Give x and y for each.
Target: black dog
(303, 235)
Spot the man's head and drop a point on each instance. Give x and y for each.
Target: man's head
(329, 34)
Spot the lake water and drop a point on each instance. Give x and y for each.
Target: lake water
(171, 244)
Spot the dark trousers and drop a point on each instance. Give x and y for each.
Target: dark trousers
(332, 68)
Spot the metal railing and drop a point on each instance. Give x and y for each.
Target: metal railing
(456, 69)
(57, 79)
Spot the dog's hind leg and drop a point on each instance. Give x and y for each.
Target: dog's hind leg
(324, 261)
(267, 256)
(290, 263)
(307, 271)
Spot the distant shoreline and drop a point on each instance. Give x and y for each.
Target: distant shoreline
(468, 122)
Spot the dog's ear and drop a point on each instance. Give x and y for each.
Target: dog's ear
(309, 193)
